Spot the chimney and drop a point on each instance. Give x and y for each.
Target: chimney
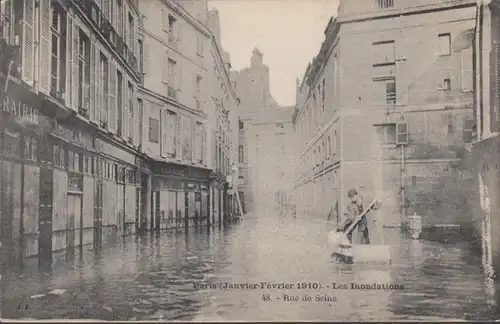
(257, 59)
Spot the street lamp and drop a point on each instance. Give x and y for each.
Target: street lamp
(234, 168)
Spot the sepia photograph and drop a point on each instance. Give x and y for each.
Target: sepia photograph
(249, 160)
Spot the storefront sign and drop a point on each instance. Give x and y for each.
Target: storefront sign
(114, 151)
(192, 186)
(25, 107)
(75, 136)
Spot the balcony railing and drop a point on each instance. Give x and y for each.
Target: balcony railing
(104, 26)
(172, 93)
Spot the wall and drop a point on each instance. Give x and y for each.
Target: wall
(435, 117)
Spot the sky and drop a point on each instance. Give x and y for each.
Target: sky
(289, 33)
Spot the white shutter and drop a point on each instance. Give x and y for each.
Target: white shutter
(75, 83)
(28, 42)
(145, 56)
(45, 48)
(467, 70)
(178, 76)
(124, 120)
(179, 127)
(131, 112)
(165, 69)
(93, 64)
(178, 33)
(163, 132)
(98, 84)
(203, 144)
(112, 125)
(69, 52)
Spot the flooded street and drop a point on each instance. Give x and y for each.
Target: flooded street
(178, 277)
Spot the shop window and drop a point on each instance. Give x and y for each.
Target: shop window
(87, 164)
(59, 156)
(131, 176)
(74, 160)
(119, 174)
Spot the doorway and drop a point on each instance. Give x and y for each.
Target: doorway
(45, 217)
(74, 221)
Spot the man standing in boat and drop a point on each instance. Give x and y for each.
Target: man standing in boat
(354, 209)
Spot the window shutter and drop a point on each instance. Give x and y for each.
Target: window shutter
(165, 69)
(131, 113)
(178, 75)
(112, 124)
(93, 64)
(402, 133)
(164, 19)
(124, 121)
(69, 51)
(164, 136)
(98, 84)
(45, 48)
(180, 124)
(145, 57)
(28, 42)
(75, 86)
(178, 33)
(467, 70)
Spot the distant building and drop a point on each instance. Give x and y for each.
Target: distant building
(252, 89)
(386, 107)
(271, 156)
(223, 125)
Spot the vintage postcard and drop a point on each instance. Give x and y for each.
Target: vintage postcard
(249, 160)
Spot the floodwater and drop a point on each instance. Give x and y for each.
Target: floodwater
(178, 277)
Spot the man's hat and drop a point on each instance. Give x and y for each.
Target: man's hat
(351, 193)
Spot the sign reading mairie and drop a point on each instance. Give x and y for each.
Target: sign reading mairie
(21, 110)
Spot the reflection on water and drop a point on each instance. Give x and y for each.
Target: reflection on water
(169, 277)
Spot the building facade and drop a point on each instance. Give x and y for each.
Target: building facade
(253, 91)
(272, 159)
(387, 106)
(223, 136)
(174, 95)
(481, 179)
(105, 125)
(68, 166)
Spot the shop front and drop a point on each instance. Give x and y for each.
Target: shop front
(117, 183)
(20, 193)
(180, 197)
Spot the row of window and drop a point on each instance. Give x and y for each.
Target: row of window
(177, 136)
(88, 79)
(321, 153)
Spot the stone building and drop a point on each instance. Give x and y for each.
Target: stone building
(271, 157)
(69, 125)
(481, 177)
(253, 90)
(223, 121)
(386, 107)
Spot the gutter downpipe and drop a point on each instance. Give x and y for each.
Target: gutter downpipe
(478, 43)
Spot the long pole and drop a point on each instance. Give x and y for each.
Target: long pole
(239, 201)
(403, 216)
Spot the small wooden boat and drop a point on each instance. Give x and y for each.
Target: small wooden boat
(346, 252)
